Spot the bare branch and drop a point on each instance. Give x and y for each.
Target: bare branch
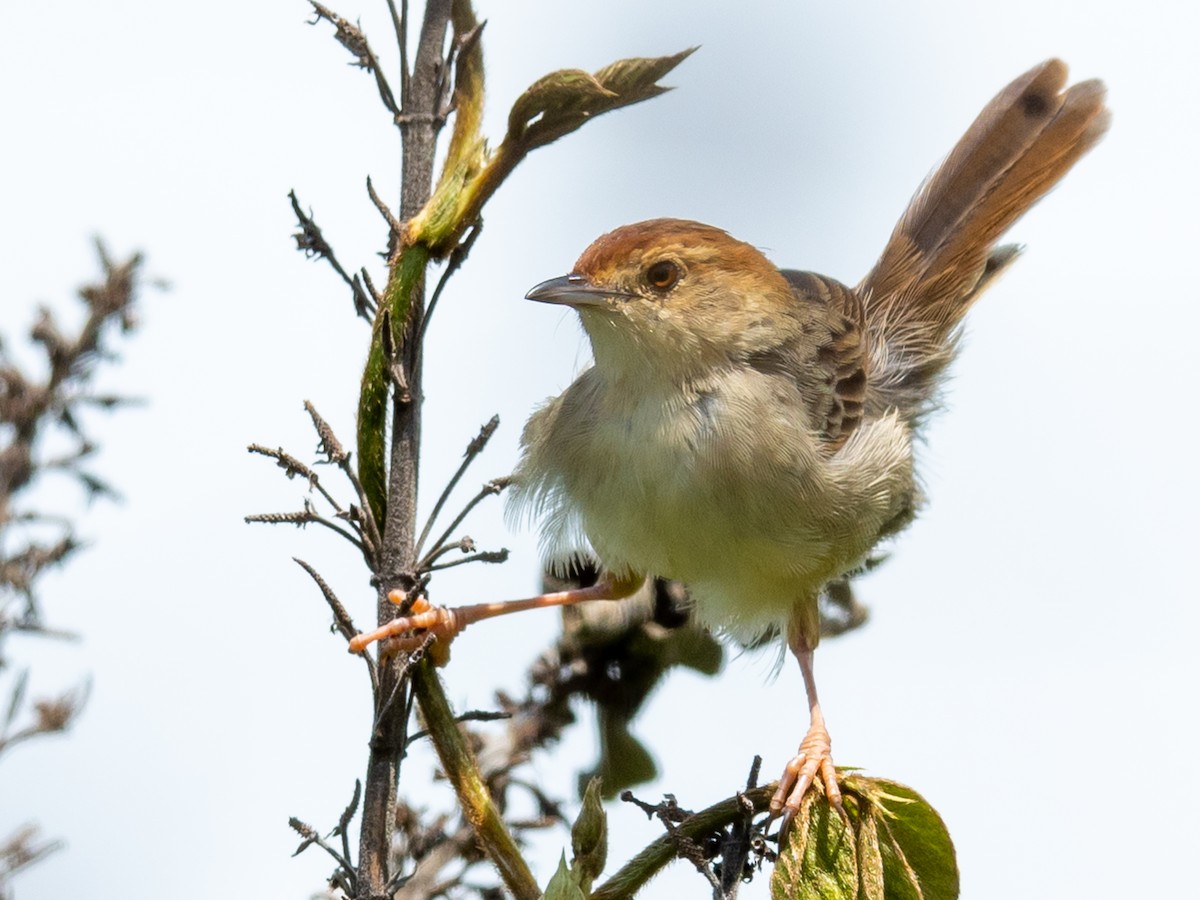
(465, 544)
(344, 875)
(457, 257)
(400, 26)
(473, 450)
(486, 556)
(293, 467)
(375, 295)
(350, 36)
(475, 715)
(343, 826)
(395, 228)
(301, 518)
(335, 453)
(312, 243)
(491, 488)
(21, 851)
(341, 618)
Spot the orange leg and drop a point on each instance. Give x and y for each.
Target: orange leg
(446, 623)
(812, 758)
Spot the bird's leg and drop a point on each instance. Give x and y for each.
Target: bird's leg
(813, 757)
(445, 623)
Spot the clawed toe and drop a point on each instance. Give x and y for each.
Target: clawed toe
(410, 632)
(812, 761)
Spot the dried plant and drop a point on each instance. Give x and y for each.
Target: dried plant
(38, 408)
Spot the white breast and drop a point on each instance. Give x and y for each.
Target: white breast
(719, 486)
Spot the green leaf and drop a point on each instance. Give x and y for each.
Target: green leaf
(871, 881)
(920, 845)
(634, 79)
(562, 886)
(894, 847)
(589, 837)
(562, 101)
(624, 760)
(820, 861)
(556, 98)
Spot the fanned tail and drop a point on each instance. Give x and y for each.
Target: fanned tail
(943, 251)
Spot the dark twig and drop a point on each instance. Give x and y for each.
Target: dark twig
(293, 467)
(375, 295)
(407, 664)
(350, 36)
(395, 228)
(312, 836)
(465, 544)
(330, 446)
(635, 873)
(336, 454)
(475, 715)
(306, 516)
(342, 829)
(459, 50)
(474, 448)
(491, 488)
(341, 619)
(486, 556)
(453, 263)
(311, 242)
(685, 845)
(400, 26)
(737, 843)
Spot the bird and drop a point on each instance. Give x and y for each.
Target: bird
(749, 430)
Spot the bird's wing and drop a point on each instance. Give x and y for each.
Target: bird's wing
(826, 356)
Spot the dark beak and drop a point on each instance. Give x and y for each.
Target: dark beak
(572, 290)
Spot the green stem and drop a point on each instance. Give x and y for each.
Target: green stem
(404, 279)
(635, 873)
(473, 794)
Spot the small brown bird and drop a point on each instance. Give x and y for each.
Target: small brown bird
(749, 430)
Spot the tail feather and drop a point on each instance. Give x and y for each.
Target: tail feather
(942, 254)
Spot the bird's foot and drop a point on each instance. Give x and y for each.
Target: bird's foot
(813, 759)
(412, 631)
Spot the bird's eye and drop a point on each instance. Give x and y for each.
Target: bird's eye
(662, 275)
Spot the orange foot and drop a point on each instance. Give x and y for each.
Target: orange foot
(413, 630)
(410, 631)
(811, 759)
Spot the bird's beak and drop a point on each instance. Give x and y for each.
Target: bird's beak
(572, 290)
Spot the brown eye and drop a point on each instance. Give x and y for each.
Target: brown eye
(662, 275)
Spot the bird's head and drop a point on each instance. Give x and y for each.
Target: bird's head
(673, 297)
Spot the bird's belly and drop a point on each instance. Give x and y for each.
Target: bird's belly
(682, 492)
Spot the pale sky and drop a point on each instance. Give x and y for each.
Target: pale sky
(1029, 666)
